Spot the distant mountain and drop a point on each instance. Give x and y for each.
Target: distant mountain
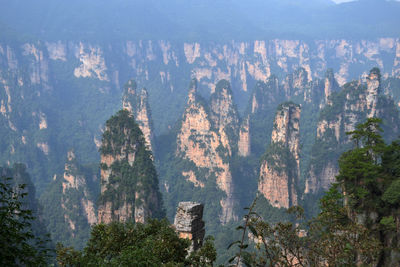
(200, 20)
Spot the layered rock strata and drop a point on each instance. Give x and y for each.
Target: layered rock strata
(207, 136)
(189, 223)
(280, 168)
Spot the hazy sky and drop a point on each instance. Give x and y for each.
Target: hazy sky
(342, 1)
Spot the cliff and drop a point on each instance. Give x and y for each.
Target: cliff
(207, 138)
(74, 180)
(280, 167)
(129, 183)
(330, 86)
(137, 104)
(70, 202)
(50, 76)
(244, 144)
(356, 101)
(295, 83)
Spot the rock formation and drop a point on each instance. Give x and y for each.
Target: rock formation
(78, 75)
(75, 183)
(244, 148)
(189, 223)
(295, 83)
(129, 183)
(373, 87)
(137, 104)
(70, 202)
(344, 110)
(207, 136)
(280, 167)
(330, 85)
(265, 94)
(224, 115)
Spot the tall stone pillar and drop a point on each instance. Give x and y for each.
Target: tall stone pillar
(189, 223)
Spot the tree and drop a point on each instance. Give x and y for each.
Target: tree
(329, 239)
(18, 244)
(359, 219)
(151, 244)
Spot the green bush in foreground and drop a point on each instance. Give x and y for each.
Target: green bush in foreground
(153, 244)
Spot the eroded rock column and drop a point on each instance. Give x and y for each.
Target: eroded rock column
(189, 223)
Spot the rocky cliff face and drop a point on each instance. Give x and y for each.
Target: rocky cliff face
(295, 83)
(189, 223)
(74, 183)
(280, 168)
(330, 86)
(265, 94)
(224, 115)
(162, 62)
(129, 183)
(373, 88)
(137, 104)
(42, 72)
(70, 202)
(77, 198)
(206, 139)
(244, 147)
(344, 110)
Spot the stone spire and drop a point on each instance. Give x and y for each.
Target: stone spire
(280, 169)
(373, 86)
(205, 129)
(129, 183)
(137, 104)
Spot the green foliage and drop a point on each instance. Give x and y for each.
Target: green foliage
(59, 204)
(360, 168)
(333, 141)
(358, 218)
(330, 238)
(241, 244)
(392, 193)
(205, 256)
(279, 158)
(19, 245)
(118, 128)
(369, 177)
(268, 95)
(152, 244)
(121, 139)
(270, 213)
(389, 223)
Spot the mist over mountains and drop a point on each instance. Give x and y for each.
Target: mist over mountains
(199, 20)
